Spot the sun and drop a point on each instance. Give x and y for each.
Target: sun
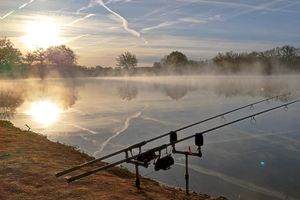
(41, 34)
(44, 112)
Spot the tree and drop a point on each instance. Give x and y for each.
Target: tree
(10, 57)
(176, 59)
(39, 56)
(62, 58)
(127, 60)
(29, 59)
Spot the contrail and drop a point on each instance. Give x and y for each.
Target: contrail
(91, 4)
(265, 6)
(262, 7)
(6, 15)
(125, 24)
(20, 7)
(161, 25)
(80, 19)
(76, 38)
(25, 4)
(124, 21)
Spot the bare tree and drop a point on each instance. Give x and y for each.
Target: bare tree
(39, 56)
(127, 60)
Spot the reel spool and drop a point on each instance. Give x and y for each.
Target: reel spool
(164, 163)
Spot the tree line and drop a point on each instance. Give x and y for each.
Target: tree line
(62, 61)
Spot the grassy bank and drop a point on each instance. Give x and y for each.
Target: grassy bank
(28, 162)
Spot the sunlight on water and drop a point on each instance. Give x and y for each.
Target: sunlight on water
(44, 112)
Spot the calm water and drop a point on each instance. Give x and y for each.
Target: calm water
(102, 115)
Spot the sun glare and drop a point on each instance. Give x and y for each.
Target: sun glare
(44, 112)
(41, 34)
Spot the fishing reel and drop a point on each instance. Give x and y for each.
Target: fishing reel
(164, 163)
(147, 157)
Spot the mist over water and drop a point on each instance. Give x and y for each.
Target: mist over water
(242, 161)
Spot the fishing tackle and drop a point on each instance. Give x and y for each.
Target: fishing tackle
(139, 145)
(164, 163)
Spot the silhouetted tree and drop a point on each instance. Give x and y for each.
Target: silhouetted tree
(29, 59)
(62, 58)
(40, 57)
(176, 59)
(127, 60)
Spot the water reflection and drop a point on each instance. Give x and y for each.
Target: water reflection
(102, 119)
(45, 112)
(178, 87)
(43, 101)
(176, 91)
(128, 91)
(64, 93)
(231, 88)
(9, 102)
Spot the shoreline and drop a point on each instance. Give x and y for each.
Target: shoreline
(29, 161)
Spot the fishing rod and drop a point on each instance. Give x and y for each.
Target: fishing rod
(140, 144)
(173, 143)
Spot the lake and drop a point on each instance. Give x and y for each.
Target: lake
(245, 160)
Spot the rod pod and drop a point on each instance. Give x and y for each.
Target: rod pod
(164, 146)
(140, 144)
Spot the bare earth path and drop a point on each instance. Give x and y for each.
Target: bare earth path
(28, 162)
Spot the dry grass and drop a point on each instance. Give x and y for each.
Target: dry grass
(28, 163)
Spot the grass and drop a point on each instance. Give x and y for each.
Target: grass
(29, 162)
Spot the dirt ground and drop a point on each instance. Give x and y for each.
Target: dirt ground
(29, 162)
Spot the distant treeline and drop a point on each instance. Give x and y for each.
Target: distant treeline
(61, 61)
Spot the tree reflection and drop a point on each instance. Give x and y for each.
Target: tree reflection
(13, 95)
(253, 88)
(128, 91)
(175, 91)
(9, 102)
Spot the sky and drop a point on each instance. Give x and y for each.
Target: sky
(100, 30)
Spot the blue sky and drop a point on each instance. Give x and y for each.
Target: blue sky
(98, 30)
